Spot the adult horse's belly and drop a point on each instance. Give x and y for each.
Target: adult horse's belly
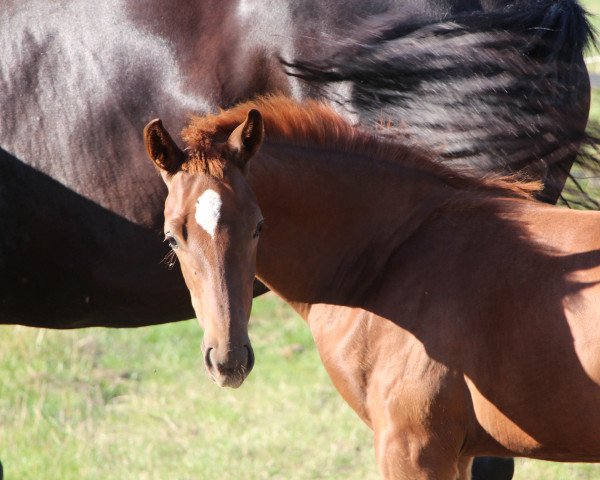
(67, 262)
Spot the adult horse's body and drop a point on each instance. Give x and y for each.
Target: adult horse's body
(489, 91)
(456, 316)
(80, 208)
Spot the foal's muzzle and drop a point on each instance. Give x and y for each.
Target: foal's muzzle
(229, 368)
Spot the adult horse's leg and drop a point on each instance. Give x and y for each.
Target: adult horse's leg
(259, 288)
(493, 468)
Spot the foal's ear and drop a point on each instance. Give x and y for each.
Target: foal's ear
(245, 140)
(161, 148)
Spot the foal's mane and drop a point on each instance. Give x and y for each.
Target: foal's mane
(314, 123)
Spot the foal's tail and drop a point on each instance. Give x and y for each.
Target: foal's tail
(497, 91)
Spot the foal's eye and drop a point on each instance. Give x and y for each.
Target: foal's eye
(259, 228)
(172, 241)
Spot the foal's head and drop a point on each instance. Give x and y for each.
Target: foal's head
(212, 223)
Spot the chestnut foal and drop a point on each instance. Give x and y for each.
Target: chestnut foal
(456, 316)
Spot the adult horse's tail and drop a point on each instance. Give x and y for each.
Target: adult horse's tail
(497, 91)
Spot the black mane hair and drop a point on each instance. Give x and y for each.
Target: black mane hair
(504, 90)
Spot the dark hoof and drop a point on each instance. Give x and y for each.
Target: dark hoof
(493, 468)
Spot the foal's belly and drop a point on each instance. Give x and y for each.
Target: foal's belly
(539, 397)
(548, 405)
(551, 431)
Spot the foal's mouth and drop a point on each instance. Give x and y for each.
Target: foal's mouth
(230, 381)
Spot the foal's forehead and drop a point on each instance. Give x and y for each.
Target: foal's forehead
(208, 210)
(184, 189)
(209, 199)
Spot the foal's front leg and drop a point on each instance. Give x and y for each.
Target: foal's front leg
(419, 419)
(406, 455)
(465, 465)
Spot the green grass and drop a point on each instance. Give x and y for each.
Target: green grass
(593, 8)
(136, 404)
(587, 178)
(595, 105)
(98, 403)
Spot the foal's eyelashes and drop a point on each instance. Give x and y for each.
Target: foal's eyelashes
(171, 240)
(171, 257)
(259, 228)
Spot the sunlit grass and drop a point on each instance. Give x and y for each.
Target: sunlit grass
(595, 105)
(593, 55)
(122, 404)
(136, 404)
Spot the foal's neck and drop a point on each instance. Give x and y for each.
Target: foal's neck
(332, 219)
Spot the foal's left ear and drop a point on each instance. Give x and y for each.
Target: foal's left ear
(245, 140)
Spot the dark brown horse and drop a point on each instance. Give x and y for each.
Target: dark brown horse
(81, 210)
(80, 207)
(457, 316)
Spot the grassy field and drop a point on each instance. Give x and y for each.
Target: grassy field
(593, 8)
(136, 404)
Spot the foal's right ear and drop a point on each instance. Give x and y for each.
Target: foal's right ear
(161, 148)
(246, 139)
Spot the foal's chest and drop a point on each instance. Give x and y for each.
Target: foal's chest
(362, 352)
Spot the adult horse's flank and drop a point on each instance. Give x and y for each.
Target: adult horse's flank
(456, 316)
(81, 208)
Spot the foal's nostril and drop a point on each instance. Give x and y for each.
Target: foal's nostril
(250, 362)
(207, 360)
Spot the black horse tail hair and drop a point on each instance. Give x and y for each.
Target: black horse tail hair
(564, 21)
(554, 29)
(562, 26)
(493, 91)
